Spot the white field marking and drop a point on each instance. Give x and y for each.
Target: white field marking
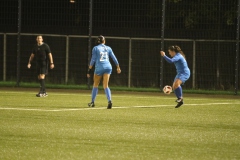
(99, 108)
(52, 93)
(100, 94)
(117, 96)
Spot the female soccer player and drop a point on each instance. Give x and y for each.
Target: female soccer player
(103, 69)
(183, 72)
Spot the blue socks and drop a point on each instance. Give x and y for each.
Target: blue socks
(178, 92)
(108, 93)
(94, 93)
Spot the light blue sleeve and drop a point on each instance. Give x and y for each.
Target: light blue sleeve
(111, 54)
(171, 60)
(94, 56)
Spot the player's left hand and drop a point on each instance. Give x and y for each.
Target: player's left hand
(118, 70)
(88, 76)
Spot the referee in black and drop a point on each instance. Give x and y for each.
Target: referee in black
(43, 56)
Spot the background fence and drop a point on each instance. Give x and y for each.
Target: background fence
(206, 31)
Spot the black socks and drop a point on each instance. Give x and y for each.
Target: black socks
(42, 86)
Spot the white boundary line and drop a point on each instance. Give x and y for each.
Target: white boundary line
(99, 108)
(160, 95)
(165, 97)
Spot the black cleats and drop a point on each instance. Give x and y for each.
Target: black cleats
(41, 94)
(109, 105)
(180, 102)
(91, 104)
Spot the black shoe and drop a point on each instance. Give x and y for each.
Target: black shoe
(91, 104)
(109, 105)
(180, 102)
(39, 95)
(42, 94)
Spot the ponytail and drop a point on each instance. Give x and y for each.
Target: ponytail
(100, 40)
(177, 49)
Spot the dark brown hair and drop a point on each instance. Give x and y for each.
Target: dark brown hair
(177, 49)
(100, 39)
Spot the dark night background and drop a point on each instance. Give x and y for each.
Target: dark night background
(184, 19)
(126, 18)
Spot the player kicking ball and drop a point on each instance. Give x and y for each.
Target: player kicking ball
(183, 72)
(103, 69)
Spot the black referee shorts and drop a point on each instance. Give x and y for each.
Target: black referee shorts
(42, 67)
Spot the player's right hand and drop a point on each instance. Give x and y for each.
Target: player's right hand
(162, 53)
(29, 65)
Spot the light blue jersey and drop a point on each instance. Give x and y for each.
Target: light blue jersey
(183, 72)
(100, 57)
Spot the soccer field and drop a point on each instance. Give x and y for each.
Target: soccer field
(139, 126)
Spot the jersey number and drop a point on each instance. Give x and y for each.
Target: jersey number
(104, 56)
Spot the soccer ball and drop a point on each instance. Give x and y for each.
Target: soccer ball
(167, 89)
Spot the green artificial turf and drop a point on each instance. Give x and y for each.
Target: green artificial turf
(139, 126)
